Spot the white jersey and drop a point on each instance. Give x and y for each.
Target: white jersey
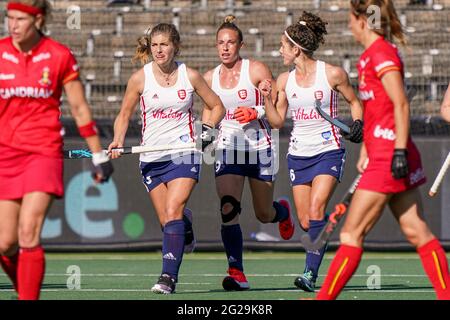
(167, 115)
(252, 136)
(312, 134)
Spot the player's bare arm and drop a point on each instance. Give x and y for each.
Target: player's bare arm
(276, 112)
(206, 113)
(134, 89)
(393, 84)
(80, 111)
(445, 107)
(259, 72)
(210, 99)
(339, 81)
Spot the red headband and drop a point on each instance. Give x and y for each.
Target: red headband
(24, 8)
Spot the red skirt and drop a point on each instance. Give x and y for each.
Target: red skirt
(378, 177)
(23, 172)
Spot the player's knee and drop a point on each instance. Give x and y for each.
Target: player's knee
(230, 208)
(28, 236)
(173, 212)
(316, 210)
(418, 235)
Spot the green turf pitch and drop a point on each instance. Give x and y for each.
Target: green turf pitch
(270, 274)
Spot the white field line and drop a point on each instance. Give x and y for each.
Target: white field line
(214, 275)
(134, 258)
(207, 291)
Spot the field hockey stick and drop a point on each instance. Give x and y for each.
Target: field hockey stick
(333, 220)
(345, 128)
(437, 182)
(86, 153)
(318, 105)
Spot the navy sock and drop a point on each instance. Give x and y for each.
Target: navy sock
(282, 213)
(189, 233)
(233, 243)
(173, 247)
(314, 258)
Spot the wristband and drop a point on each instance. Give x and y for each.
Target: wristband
(88, 130)
(100, 157)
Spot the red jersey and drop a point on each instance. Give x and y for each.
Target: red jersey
(30, 95)
(379, 122)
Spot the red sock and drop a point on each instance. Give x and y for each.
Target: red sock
(435, 264)
(30, 272)
(9, 265)
(341, 270)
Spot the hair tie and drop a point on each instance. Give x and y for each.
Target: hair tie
(303, 23)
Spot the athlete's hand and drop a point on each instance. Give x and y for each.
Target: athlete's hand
(207, 135)
(356, 132)
(399, 165)
(265, 87)
(102, 167)
(245, 114)
(114, 145)
(362, 162)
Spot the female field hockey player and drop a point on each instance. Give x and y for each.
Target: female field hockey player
(245, 149)
(316, 153)
(165, 90)
(445, 107)
(34, 69)
(394, 171)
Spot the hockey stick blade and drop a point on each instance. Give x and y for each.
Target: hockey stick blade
(318, 105)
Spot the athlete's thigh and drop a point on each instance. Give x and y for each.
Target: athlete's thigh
(179, 191)
(9, 221)
(322, 189)
(407, 209)
(262, 195)
(364, 211)
(302, 201)
(230, 185)
(33, 210)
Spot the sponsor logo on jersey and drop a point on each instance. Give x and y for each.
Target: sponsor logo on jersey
(294, 96)
(25, 92)
(10, 57)
(182, 94)
(362, 81)
(7, 76)
(318, 95)
(416, 176)
(366, 95)
(45, 78)
(41, 57)
(167, 114)
(305, 114)
(384, 133)
(364, 62)
(229, 115)
(184, 138)
(242, 94)
(326, 135)
(155, 96)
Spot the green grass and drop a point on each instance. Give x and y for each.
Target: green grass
(270, 274)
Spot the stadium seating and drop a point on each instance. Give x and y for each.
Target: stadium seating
(104, 30)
